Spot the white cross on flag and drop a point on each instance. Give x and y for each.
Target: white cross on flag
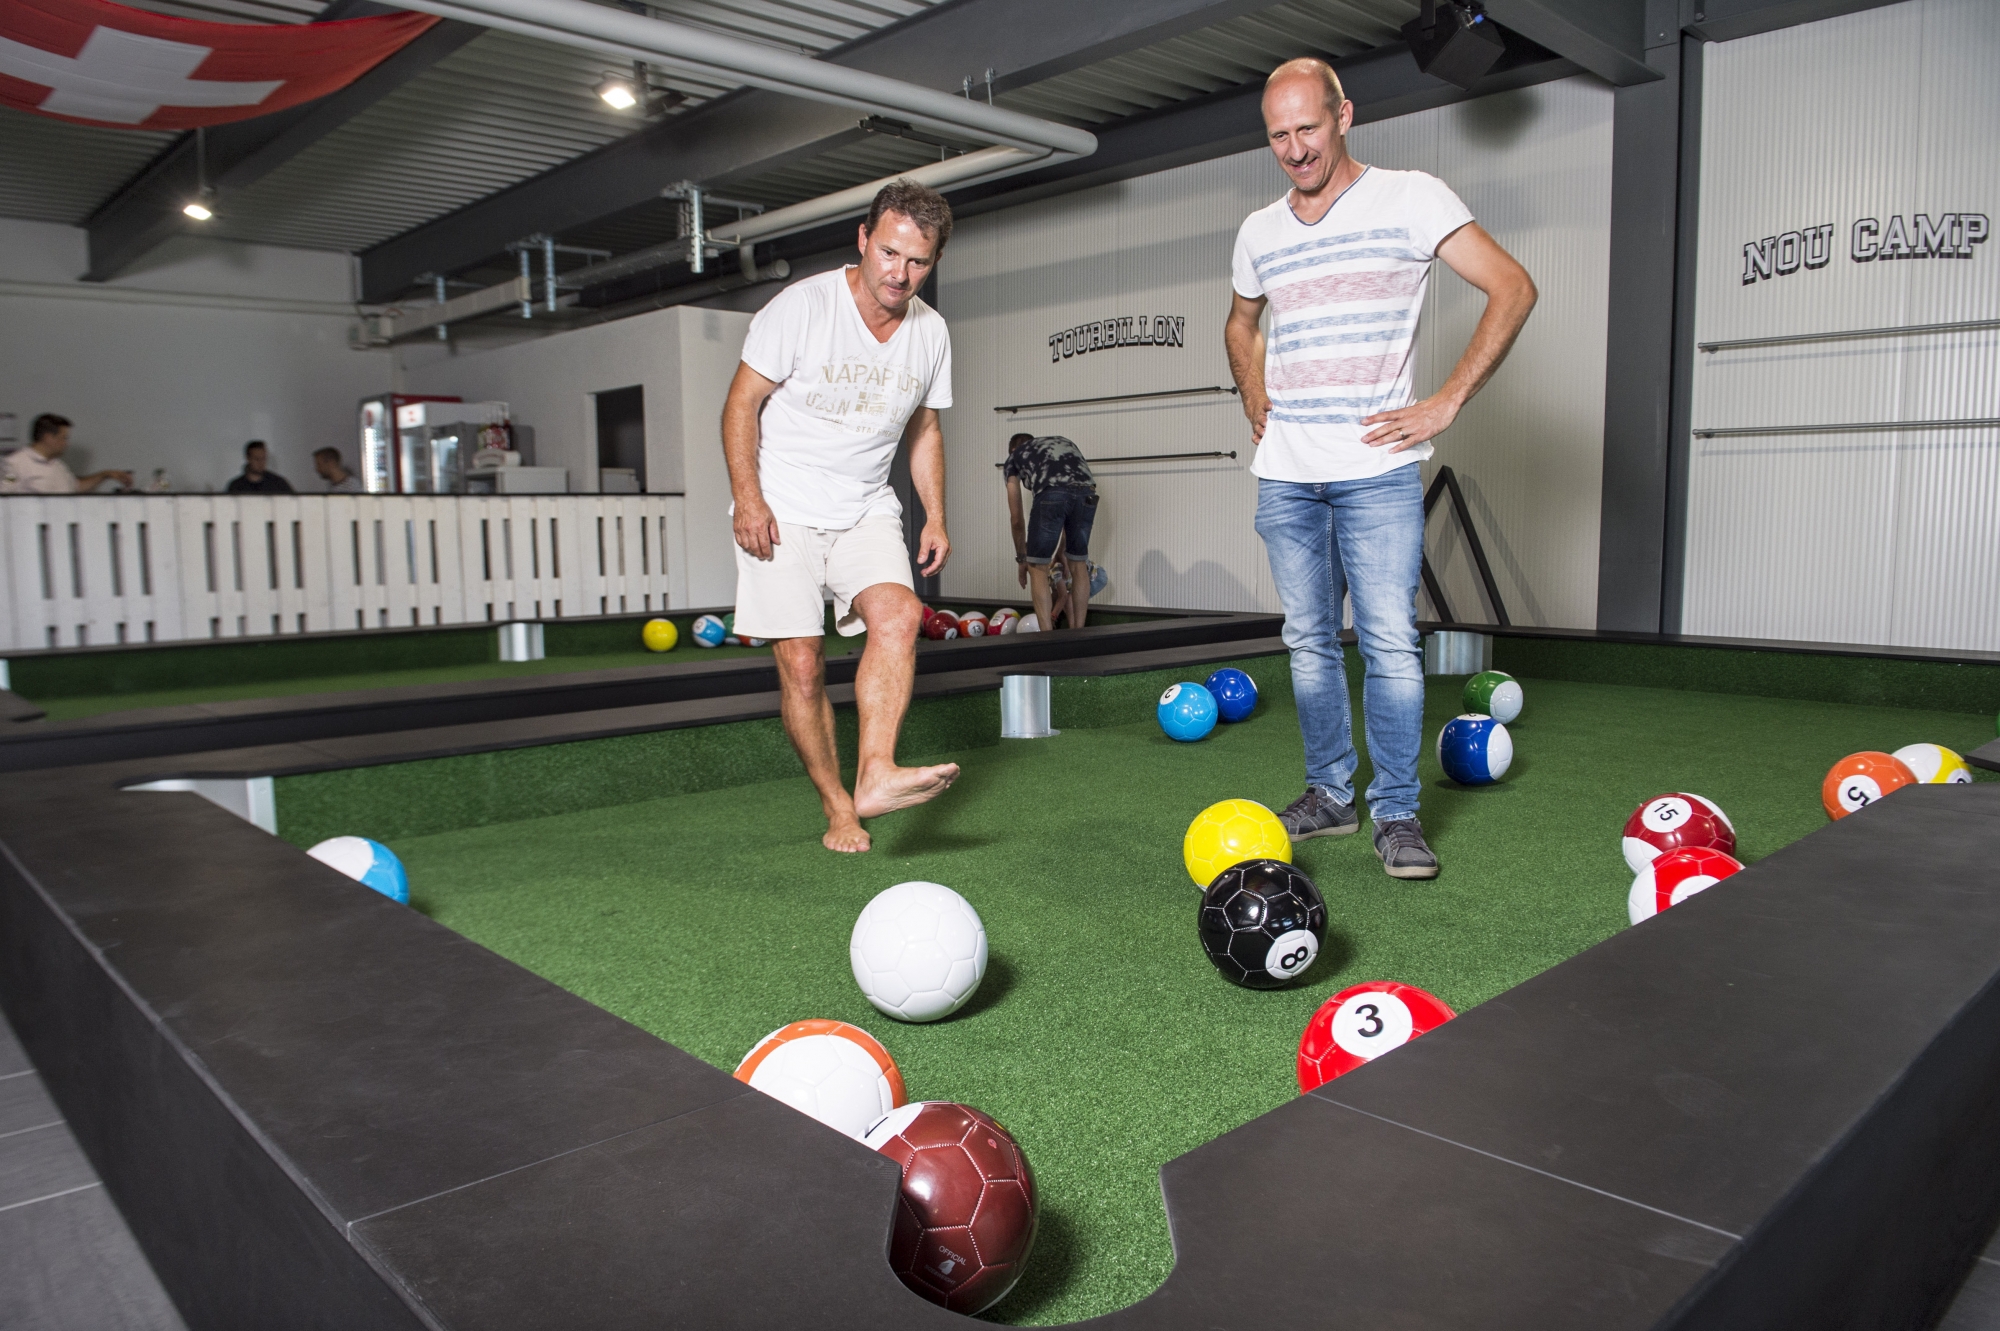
(101, 63)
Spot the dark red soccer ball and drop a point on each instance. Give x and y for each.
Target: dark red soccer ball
(966, 1217)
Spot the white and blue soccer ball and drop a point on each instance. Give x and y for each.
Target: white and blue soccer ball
(709, 631)
(369, 863)
(1474, 750)
(918, 951)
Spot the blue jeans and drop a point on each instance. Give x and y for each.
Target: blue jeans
(1061, 515)
(1363, 539)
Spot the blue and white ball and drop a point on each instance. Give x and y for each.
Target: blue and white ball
(1474, 750)
(1235, 693)
(709, 631)
(1187, 712)
(369, 863)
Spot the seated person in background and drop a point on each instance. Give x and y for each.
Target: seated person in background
(339, 480)
(39, 469)
(1065, 507)
(257, 479)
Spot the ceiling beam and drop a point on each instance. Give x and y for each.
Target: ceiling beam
(1382, 83)
(146, 210)
(1606, 37)
(1726, 20)
(1021, 41)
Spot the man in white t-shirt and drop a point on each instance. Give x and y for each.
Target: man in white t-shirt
(1342, 261)
(39, 469)
(840, 370)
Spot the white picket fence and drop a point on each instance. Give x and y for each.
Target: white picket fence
(86, 570)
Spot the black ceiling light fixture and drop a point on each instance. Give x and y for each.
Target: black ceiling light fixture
(1453, 40)
(624, 92)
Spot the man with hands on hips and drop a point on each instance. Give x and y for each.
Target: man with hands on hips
(838, 371)
(1342, 261)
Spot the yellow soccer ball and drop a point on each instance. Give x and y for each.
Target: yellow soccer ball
(1935, 765)
(1229, 833)
(660, 635)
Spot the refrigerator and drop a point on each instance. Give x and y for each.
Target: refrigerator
(379, 455)
(435, 443)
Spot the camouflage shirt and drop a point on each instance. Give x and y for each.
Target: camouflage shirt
(1050, 462)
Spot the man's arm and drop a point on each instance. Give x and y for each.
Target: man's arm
(756, 528)
(1019, 523)
(85, 484)
(1510, 294)
(1243, 336)
(925, 435)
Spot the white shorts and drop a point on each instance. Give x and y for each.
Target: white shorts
(785, 596)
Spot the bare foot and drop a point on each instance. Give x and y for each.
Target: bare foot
(891, 788)
(845, 834)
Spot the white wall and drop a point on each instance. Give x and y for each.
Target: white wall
(682, 357)
(1859, 537)
(1534, 166)
(242, 342)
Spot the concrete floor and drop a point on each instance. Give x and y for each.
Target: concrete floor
(68, 1263)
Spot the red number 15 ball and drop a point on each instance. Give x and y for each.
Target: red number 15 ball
(1676, 821)
(1360, 1024)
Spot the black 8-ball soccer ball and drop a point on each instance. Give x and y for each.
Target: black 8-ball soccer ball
(1262, 923)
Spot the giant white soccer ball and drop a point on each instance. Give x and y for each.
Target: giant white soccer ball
(837, 1073)
(918, 951)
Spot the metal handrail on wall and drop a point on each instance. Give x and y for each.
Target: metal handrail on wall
(1446, 482)
(1851, 427)
(1907, 330)
(1121, 397)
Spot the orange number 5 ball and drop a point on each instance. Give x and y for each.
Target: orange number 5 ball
(1860, 779)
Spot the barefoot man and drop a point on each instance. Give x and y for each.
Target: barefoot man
(838, 370)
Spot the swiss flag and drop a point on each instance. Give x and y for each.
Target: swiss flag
(98, 63)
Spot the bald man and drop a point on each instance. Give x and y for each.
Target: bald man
(1342, 260)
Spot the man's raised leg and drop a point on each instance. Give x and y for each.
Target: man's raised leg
(808, 717)
(882, 695)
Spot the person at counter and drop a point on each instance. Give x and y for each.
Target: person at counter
(258, 478)
(39, 469)
(339, 480)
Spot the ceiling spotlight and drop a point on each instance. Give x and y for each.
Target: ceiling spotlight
(618, 92)
(200, 207)
(1452, 40)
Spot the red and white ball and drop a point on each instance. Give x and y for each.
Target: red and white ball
(965, 1219)
(1676, 821)
(1003, 620)
(1674, 877)
(942, 624)
(834, 1072)
(1360, 1024)
(973, 624)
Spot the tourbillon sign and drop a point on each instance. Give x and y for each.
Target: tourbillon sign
(1142, 330)
(1922, 236)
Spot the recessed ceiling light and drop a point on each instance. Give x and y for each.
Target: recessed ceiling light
(198, 210)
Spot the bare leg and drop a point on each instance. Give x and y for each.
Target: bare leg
(1038, 588)
(1079, 593)
(808, 717)
(882, 695)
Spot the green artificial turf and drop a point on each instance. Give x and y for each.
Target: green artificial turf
(1100, 1035)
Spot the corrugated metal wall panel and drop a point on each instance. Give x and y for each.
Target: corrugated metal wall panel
(1534, 165)
(1874, 537)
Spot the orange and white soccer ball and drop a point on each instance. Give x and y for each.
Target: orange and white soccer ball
(837, 1073)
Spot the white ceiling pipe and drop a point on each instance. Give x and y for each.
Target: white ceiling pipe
(986, 164)
(626, 35)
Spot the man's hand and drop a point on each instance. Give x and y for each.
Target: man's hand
(933, 548)
(1257, 408)
(756, 528)
(1412, 425)
(1021, 567)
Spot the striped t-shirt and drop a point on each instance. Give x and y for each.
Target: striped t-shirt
(1340, 343)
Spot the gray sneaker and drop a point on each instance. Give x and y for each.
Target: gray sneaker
(1405, 854)
(1317, 813)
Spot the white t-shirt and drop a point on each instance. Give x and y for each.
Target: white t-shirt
(830, 431)
(1345, 294)
(27, 472)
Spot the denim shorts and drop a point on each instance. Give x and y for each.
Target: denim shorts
(1061, 513)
